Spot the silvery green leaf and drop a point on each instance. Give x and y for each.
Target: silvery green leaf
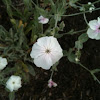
(78, 45)
(83, 38)
(54, 67)
(71, 56)
(61, 26)
(31, 70)
(95, 70)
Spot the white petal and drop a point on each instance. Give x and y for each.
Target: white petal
(9, 85)
(43, 41)
(39, 18)
(99, 20)
(18, 80)
(3, 63)
(43, 61)
(54, 84)
(37, 50)
(55, 45)
(45, 21)
(1, 67)
(49, 85)
(93, 24)
(17, 86)
(55, 56)
(91, 33)
(46, 42)
(98, 36)
(49, 43)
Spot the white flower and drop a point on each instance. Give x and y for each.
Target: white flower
(43, 20)
(3, 63)
(94, 29)
(13, 83)
(51, 83)
(46, 52)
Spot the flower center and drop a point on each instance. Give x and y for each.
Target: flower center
(13, 82)
(47, 51)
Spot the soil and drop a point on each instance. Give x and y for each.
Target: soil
(74, 82)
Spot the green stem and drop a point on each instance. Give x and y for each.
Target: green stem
(52, 2)
(84, 67)
(92, 3)
(96, 2)
(42, 28)
(56, 20)
(95, 78)
(93, 75)
(71, 33)
(85, 18)
(75, 14)
(52, 74)
(33, 3)
(37, 2)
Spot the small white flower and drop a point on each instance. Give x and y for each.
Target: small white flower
(51, 83)
(77, 59)
(89, 3)
(94, 29)
(46, 52)
(91, 7)
(3, 63)
(43, 20)
(13, 83)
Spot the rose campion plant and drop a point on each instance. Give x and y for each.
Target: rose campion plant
(46, 52)
(94, 29)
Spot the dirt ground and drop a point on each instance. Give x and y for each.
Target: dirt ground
(74, 83)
